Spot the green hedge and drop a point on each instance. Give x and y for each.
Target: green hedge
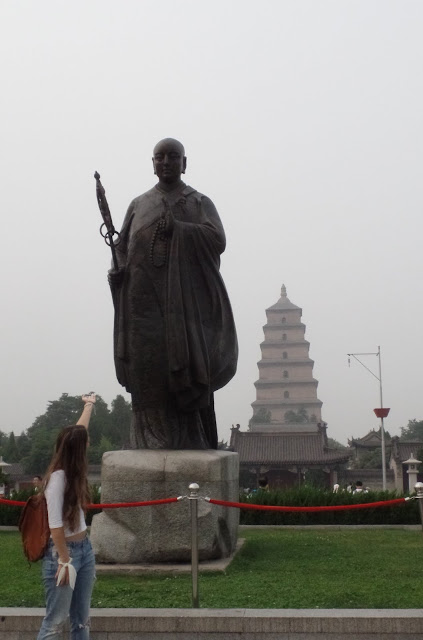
(9, 516)
(407, 513)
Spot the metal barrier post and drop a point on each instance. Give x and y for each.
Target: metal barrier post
(419, 491)
(193, 497)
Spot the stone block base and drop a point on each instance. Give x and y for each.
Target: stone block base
(163, 533)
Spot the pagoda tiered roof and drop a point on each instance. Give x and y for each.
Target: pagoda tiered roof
(269, 342)
(284, 382)
(284, 303)
(291, 361)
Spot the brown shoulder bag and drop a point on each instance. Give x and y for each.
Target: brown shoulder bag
(33, 525)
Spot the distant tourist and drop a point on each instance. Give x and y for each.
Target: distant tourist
(350, 487)
(359, 487)
(37, 483)
(264, 483)
(335, 487)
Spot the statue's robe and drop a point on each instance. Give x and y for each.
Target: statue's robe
(174, 336)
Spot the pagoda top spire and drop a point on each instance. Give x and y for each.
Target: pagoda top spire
(284, 302)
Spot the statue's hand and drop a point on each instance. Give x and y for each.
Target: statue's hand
(115, 277)
(166, 221)
(169, 223)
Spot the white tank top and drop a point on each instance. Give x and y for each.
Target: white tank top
(54, 493)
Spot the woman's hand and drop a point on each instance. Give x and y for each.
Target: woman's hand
(89, 397)
(64, 580)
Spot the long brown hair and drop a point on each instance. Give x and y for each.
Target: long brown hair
(71, 456)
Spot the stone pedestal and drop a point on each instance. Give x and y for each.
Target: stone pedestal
(163, 533)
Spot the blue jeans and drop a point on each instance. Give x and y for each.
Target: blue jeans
(63, 601)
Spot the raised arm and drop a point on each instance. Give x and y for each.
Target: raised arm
(89, 400)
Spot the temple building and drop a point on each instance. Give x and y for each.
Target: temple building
(371, 442)
(286, 438)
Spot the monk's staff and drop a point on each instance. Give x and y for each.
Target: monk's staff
(107, 229)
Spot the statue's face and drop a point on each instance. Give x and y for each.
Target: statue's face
(169, 160)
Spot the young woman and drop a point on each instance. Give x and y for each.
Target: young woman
(68, 565)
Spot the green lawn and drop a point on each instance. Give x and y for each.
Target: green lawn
(275, 569)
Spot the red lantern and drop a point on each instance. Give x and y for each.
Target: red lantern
(382, 413)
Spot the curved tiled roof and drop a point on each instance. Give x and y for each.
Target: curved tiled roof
(283, 449)
(403, 449)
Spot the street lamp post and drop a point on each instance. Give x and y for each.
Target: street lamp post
(382, 411)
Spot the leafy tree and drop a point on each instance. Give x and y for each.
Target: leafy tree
(3, 441)
(413, 430)
(23, 443)
(109, 430)
(42, 447)
(419, 456)
(262, 416)
(100, 421)
(120, 421)
(316, 478)
(11, 452)
(302, 413)
(334, 444)
(369, 459)
(95, 453)
(45, 428)
(4, 478)
(297, 417)
(60, 413)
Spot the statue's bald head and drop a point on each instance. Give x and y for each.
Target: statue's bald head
(167, 143)
(169, 161)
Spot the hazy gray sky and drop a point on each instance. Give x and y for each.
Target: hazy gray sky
(301, 120)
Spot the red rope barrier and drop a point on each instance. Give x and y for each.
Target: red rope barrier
(121, 505)
(338, 507)
(116, 505)
(12, 503)
(237, 505)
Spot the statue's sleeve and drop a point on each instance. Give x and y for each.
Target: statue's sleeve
(206, 234)
(213, 224)
(201, 332)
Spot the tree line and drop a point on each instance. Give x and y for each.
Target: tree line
(109, 431)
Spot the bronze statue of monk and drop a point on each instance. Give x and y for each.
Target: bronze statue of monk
(174, 334)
